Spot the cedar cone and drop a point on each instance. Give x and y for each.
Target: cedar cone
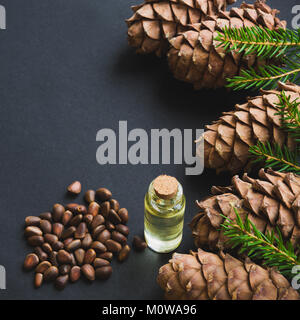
(195, 58)
(155, 21)
(206, 276)
(271, 201)
(227, 140)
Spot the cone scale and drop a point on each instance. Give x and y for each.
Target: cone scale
(207, 276)
(227, 140)
(156, 21)
(272, 201)
(194, 56)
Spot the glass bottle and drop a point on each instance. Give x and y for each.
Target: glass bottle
(164, 214)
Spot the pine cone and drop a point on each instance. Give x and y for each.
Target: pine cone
(155, 21)
(206, 276)
(195, 58)
(227, 140)
(271, 201)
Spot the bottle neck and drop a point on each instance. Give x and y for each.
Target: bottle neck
(164, 204)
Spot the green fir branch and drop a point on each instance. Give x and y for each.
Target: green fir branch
(266, 77)
(280, 47)
(269, 248)
(290, 115)
(275, 157)
(263, 42)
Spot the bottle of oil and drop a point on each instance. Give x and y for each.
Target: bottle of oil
(164, 214)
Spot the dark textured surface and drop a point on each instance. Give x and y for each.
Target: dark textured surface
(66, 71)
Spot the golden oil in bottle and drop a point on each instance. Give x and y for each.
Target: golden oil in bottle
(164, 214)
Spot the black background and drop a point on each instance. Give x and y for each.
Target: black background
(66, 71)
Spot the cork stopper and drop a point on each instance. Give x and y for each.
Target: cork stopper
(165, 187)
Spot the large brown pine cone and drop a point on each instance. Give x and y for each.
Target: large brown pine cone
(195, 58)
(155, 21)
(206, 276)
(227, 140)
(271, 201)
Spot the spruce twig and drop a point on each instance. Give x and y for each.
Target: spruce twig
(266, 77)
(290, 115)
(269, 248)
(280, 47)
(263, 42)
(275, 157)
